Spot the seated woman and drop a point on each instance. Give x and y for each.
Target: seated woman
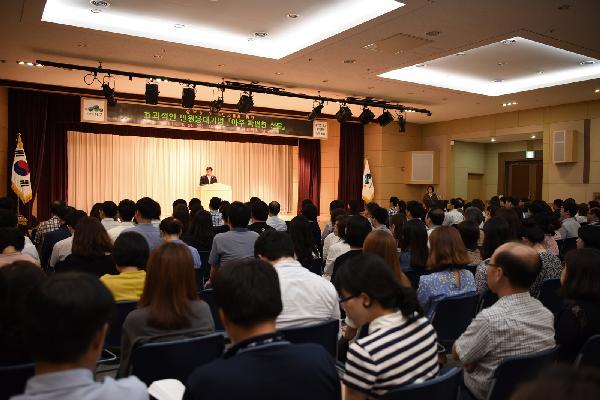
(169, 302)
(383, 244)
(90, 250)
(170, 231)
(201, 232)
(16, 281)
(305, 248)
(414, 250)
(130, 252)
(398, 333)
(446, 263)
(580, 317)
(469, 232)
(531, 234)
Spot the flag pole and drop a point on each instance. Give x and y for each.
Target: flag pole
(18, 205)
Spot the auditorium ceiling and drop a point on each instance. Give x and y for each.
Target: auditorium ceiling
(449, 56)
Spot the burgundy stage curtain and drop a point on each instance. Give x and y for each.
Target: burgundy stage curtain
(40, 118)
(352, 151)
(309, 171)
(43, 120)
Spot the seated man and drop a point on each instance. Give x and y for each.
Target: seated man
(569, 226)
(66, 320)
(236, 244)
(259, 213)
(516, 324)
(125, 212)
(146, 210)
(307, 298)
(260, 364)
(274, 221)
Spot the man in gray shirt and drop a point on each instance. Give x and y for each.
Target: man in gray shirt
(147, 210)
(516, 324)
(570, 226)
(66, 320)
(236, 244)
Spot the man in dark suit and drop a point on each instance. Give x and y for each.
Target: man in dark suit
(208, 178)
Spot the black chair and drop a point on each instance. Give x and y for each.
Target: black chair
(589, 355)
(175, 359)
(452, 316)
(443, 387)
(208, 295)
(414, 277)
(13, 379)
(550, 295)
(205, 268)
(515, 370)
(487, 299)
(113, 337)
(472, 268)
(566, 245)
(323, 333)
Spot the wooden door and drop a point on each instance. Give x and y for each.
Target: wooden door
(475, 188)
(524, 179)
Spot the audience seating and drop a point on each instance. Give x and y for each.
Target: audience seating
(443, 387)
(13, 379)
(323, 333)
(414, 277)
(157, 359)
(487, 299)
(209, 297)
(550, 295)
(452, 316)
(515, 370)
(589, 355)
(566, 245)
(123, 308)
(205, 268)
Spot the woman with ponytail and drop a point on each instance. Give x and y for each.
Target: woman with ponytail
(370, 293)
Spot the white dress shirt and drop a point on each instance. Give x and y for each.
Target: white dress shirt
(334, 252)
(109, 223)
(61, 250)
(276, 223)
(307, 298)
(114, 233)
(329, 241)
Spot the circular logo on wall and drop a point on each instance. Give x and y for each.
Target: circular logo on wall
(21, 168)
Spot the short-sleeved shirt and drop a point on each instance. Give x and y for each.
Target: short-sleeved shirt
(194, 251)
(515, 325)
(237, 244)
(149, 232)
(398, 351)
(569, 229)
(126, 285)
(79, 384)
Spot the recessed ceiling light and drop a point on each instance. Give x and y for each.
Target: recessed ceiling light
(351, 61)
(540, 72)
(462, 53)
(278, 73)
(433, 33)
(508, 41)
(179, 26)
(420, 65)
(533, 136)
(292, 15)
(597, 91)
(96, 10)
(220, 65)
(587, 62)
(498, 80)
(21, 62)
(492, 140)
(38, 65)
(261, 34)
(29, 64)
(99, 3)
(500, 63)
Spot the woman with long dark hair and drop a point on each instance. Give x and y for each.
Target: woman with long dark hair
(497, 232)
(398, 333)
(413, 246)
(305, 248)
(169, 302)
(201, 232)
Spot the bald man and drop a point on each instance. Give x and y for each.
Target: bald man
(516, 324)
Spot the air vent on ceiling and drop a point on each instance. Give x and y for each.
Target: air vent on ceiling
(397, 44)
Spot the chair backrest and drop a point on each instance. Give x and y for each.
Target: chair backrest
(487, 299)
(123, 308)
(323, 333)
(443, 387)
(205, 268)
(208, 295)
(566, 245)
(513, 371)
(550, 295)
(13, 379)
(175, 359)
(452, 316)
(589, 355)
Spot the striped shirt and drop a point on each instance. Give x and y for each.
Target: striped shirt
(398, 351)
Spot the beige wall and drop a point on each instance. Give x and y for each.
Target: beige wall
(469, 158)
(3, 137)
(383, 146)
(559, 180)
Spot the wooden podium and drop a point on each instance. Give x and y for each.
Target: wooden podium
(206, 192)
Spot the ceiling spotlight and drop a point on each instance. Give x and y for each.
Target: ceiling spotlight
(188, 97)
(343, 114)
(402, 123)
(533, 136)
(316, 111)
(109, 94)
(385, 118)
(597, 91)
(492, 140)
(366, 116)
(21, 62)
(152, 93)
(216, 105)
(245, 103)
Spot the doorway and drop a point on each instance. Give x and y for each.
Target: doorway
(524, 179)
(475, 189)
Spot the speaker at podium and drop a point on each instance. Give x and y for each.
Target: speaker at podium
(207, 192)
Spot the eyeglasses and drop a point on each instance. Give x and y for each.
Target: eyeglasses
(345, 299)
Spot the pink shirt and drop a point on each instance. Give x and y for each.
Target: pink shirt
(9, 258)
